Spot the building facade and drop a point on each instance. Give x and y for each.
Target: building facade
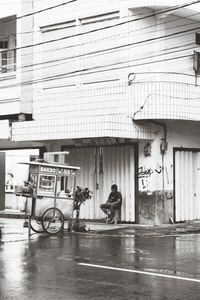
(116, 84)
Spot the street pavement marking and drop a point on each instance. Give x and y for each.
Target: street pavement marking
(140, 272)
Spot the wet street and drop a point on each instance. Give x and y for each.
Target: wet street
(97, 266)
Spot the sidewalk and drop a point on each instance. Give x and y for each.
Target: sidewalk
(126, 230)
(11, 213)
(98, 227)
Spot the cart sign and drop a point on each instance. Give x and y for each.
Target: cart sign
(57, 171)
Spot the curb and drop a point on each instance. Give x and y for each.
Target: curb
(127, 229)
(17, 215)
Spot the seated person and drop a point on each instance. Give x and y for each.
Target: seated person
(114, 202)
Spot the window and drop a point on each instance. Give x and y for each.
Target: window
(58, 26)
(3, 56)
(46, 185)
(7, 54)
(100, 18)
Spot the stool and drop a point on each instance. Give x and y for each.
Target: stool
(117, 216)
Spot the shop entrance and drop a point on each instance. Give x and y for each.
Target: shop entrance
(187, 188)
(100, 168)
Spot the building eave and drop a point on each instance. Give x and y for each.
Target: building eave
(118, 126)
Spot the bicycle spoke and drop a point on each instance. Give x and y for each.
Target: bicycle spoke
(52, 221)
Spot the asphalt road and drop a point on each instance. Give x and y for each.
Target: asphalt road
(97, 266)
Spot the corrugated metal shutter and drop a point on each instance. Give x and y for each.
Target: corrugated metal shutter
(187, 190)
(118, 168)
(197, 186)
(100, 168)
(85, 159)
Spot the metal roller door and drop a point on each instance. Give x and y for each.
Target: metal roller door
(100, 168)
(119, 168)
(187, 185)
(85, 159)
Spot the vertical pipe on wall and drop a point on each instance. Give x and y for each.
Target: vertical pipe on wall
(2, 180)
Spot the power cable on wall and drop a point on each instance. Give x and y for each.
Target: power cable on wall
(90, 53)
(61, 61)
(82, 44)
(66, 75)
(175, 7)
(107, 27)
(119, 62)
(118, 47)
(36, 12)
(154, 62)
(108, 94)
(129, 17)
(73, 73)
(112, 37)
(134, 43)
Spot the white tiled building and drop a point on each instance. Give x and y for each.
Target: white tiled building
(112, 82)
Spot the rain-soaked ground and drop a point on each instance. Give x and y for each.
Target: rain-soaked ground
(97, 266)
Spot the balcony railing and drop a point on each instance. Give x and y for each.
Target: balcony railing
(142, 100)
(165, 100)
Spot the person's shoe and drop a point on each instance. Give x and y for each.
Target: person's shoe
(111, 222)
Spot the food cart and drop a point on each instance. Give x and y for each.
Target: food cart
(49, 194)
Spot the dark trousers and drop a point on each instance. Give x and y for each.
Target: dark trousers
(109, 209)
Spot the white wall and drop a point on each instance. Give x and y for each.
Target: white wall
(67, 92)
(146, 59)
(99, 90)
(16, 94)
(179, 134)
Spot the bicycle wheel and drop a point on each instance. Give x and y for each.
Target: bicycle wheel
(36, 225)
(53, 220)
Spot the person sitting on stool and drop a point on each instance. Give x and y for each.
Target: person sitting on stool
(113, 203)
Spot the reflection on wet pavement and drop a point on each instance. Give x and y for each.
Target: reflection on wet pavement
(45, 267)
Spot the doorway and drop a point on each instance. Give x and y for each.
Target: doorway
(186, 184)
(100, 168)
